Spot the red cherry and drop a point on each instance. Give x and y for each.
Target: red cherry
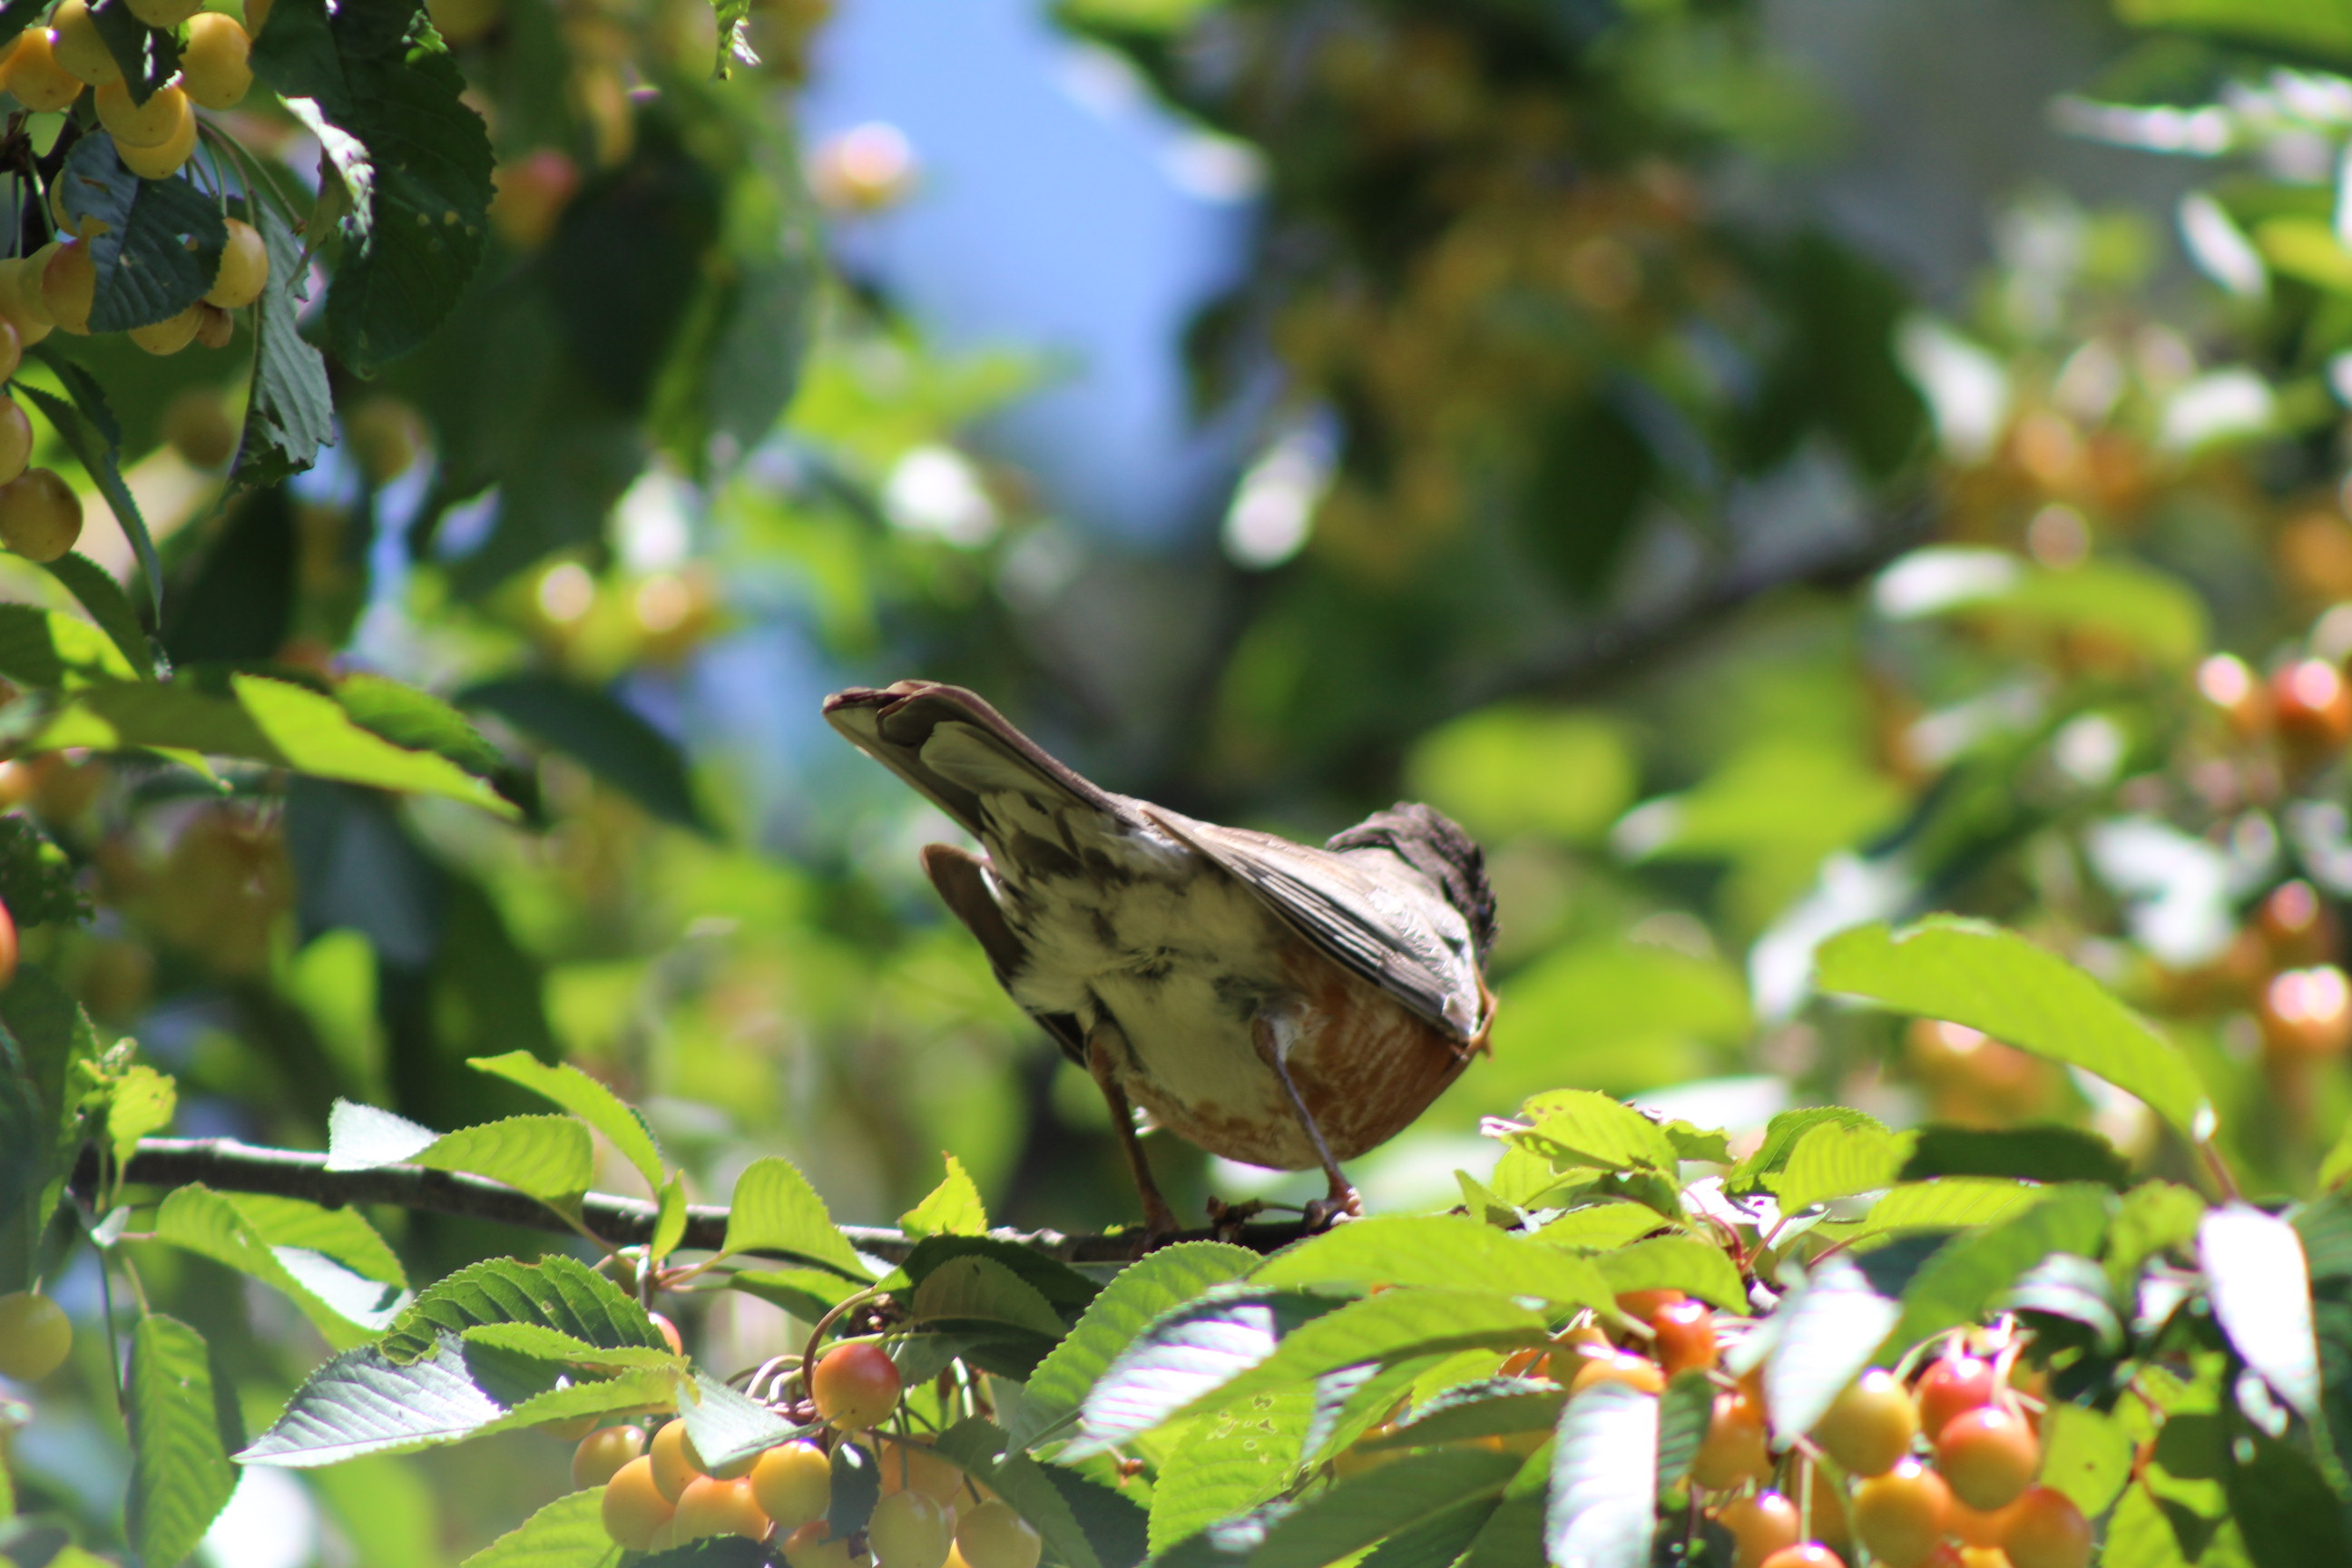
(1988, 1455)
(1685, 1336)
(1953, 1384)
(1643, 1305)
(854, 1385)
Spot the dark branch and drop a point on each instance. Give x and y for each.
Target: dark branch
(226, 1165)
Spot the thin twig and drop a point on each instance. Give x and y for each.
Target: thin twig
(225, 1164)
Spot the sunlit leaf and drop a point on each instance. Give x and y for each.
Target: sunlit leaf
(2261, 1288)
(345, 1306)
(1605, 1480)
(1591, 1129)
(1677, 1263)
(566, 1533)
(1228, 1463)
(1437, 1250)
(1781, 1136)
(588, 1100)
(1835, 1161)
(1972, 1271)
(557, 1292)
(775, 1210)
(2085, 1454)
(952, 1208)
(183, 1425)
(982, 1288)
(1820, 1336)
(1183, 1355)
(724, 1425)
(1364, 1508)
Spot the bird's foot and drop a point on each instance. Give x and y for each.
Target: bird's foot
(1324, 1213)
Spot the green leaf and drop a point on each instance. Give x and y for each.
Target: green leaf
(1084, 1525)
(980, 1288)
(50, 650)
(1602, 1226)
(567, 1533)
(1362, 1509)
(2283, 1506)
(346, 1307)
(149, 56)
(1436, 1251)
(775, 1210)
(670, 1222)
(184, 1425)
(1227, 1464)
(1064, 1286)
(1972, 1271)
(1436, 1541)
(1502, 771)
(857, 1486)
(415, 721)
(1185, 1355)
(1605, 1480)
(1951, 1203)
(732, 16)
(110, 607)
(1113, 1321)
(1678, 1263)
(138, 1100)
(97, 458)
(315, 736)
(549, 1157)
(537, 1343)
(586, 1098)
(2154, 1217)
(160, 246)
(2260, 1284)
(363, 1402)
(724, 1425)
(1835, 1161)
(1821, 1334)
(289, 407)
(411, 160)
(557, 1292)
(1406, 1322)
(2087, 1455)
(1586, 1128)
(605, 736)
(1969, 973)
(2020, 1154)
(1781, 1136)
(1684, 1410)
(2321, 29)
(952, 1208)
(1492, 1407)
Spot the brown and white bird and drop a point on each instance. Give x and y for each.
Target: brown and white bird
(1276, 1004)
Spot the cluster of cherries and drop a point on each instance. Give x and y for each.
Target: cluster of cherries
(658, 1493)
(1939, 1473)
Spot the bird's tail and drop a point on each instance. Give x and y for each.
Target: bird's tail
(954, 749)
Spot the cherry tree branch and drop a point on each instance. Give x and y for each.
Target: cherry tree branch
(224, 1165)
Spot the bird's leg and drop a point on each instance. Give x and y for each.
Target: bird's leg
(1342, 1199)
(1159, 1220)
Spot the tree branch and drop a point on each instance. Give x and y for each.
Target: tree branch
(227, 1165)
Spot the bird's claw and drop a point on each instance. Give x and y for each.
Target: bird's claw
(1324, 1213)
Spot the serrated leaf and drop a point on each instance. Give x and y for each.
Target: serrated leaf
(161, 241)
(1677, 1263)
(982, 1288)
(362, 1402)
(96, 456)
(418, 722)
(1684, 1411)
(725, 1427)
(2087, 1455)
(1060, 1284)
(1436, 1541)
(1436, 1251)
(1972, 1271)
(1782, 1135)
(952, 1208)
(183, 1427)
(1392, 1326)
(56, 651)
(140, 1100)
(1183, 1355)
(1948, 1203)
(1362, 1509)
(567, 1533)
(109, 606)
(549, 1157)
(1491, 1407)
(1227, 1464)
(1113, 1321)
(315, 736)
(775, 1210)
(1084, 1525)
(1967, 971)
(1602, 1226)
(1832, 1161)
(1351, 1402)
(148, 56)
(539, 1342)
(557, 1292)
(1823, 1333)
(2261, 1288)
(346, 1307)
(1605, 1480)
(289, 407)
(1591, 1129)
(588, 1100)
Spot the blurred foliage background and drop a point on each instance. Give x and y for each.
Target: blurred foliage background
(1760, 472)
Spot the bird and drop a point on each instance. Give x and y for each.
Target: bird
(1274, 1003)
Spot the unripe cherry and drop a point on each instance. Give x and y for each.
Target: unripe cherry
(1988, 1455)
(36, 1335)
(993, 1535)
(854, 1385)
(215, 62)
(1870, 1424)
(41, 516)
(910, 1531)
(1902, 1514)
(669, 1333)
(907, 1466)
(710, 1506)
(1953, 1384)
(812, 1546)
(75, 40)
(1736, 1450)
(1811, 1554)
(675, 1462)
(602, 1452)
(1760, 1525)
(2045, 1529)
(1684, 1337)
(34, 76)
(244, 269)
(634, 1507)
(794, 1482)
(1632, 1371)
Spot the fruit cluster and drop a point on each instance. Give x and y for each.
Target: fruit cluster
(1935, 1471)
(658, 1493)
(53, 289)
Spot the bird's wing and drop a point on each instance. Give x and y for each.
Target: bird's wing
(960, 755)
(1413, 945)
